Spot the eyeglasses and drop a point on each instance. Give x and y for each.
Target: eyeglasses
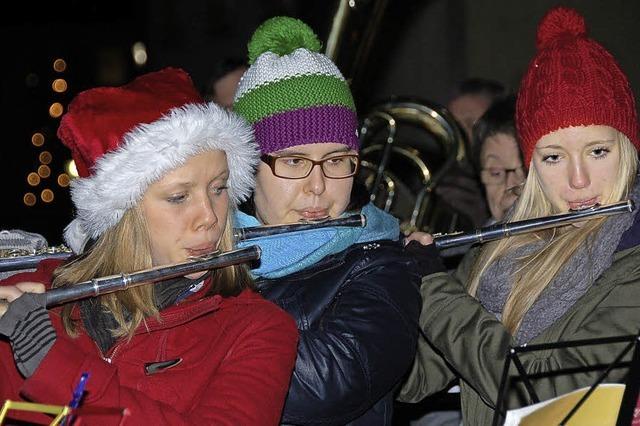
(498, 175)
(516, 189)
(298, 167)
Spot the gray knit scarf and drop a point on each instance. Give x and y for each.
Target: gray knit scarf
(572, 281)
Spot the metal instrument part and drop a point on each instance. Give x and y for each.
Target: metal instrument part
(109, 284)
(16, 259)
(407, 146)
(241, 234)
(502, 230)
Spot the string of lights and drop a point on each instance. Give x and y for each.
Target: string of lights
(39, 181)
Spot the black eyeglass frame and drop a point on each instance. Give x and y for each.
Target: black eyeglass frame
(270, 160)
(506, 173)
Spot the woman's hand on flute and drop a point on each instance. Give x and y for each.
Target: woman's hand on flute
(420, 245)
(25, 321)
(10, 293)
(421, 237)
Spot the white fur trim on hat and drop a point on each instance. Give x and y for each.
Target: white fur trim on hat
(149, 151)
(75, 237)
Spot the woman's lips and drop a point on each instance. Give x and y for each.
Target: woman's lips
(200, 250)
(314, 214)
(582, 204)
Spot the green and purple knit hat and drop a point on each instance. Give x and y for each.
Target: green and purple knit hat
(291, 94)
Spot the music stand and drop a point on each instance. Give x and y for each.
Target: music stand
(630, 395)
(631, 391)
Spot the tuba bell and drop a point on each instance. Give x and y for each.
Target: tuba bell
(407, 146)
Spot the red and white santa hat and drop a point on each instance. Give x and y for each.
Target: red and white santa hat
(125, 138)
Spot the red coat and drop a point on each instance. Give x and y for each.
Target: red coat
(236, 354)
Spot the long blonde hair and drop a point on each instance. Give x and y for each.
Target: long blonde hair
(126, 248)
(536, 271)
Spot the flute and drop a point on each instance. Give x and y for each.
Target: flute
(109, 284)
(241, 234)
(502, 230)
(16, 260)
(19, 259)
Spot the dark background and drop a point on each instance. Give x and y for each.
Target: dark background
(420, 49)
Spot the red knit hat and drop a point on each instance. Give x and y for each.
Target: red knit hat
(572, 81)
(124, 139)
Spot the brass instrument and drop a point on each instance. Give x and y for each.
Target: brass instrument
(502, 230)
(109, 284)
(407, 146)
(353, 29)
(242, 234)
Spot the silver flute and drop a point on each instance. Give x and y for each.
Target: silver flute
(241, 234)
(109, 284)
(502, 230)
(17, 260)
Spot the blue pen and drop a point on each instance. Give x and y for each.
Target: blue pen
(78, 391)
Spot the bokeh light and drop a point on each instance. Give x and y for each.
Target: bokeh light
(45, 157)
(63, 180)
(59, 65)
(29, 199)
(71, 168)
(37, 139)
(33, 179)
(46, 195)
(139, 52)
(44, 171)
(56, 109)
(59, 85)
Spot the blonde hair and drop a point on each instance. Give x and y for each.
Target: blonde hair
(126, 248)
(536, 271)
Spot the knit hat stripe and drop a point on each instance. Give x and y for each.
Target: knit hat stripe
(297, 92)
(292, 94)
(270, 67)
(333, 124)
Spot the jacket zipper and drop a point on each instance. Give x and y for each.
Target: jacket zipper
(117, 346)
(112, 352)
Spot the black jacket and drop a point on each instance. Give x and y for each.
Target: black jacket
(357, 313)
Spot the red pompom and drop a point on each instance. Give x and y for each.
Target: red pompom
(560, 22)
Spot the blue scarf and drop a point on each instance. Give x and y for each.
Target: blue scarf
(287, 253)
